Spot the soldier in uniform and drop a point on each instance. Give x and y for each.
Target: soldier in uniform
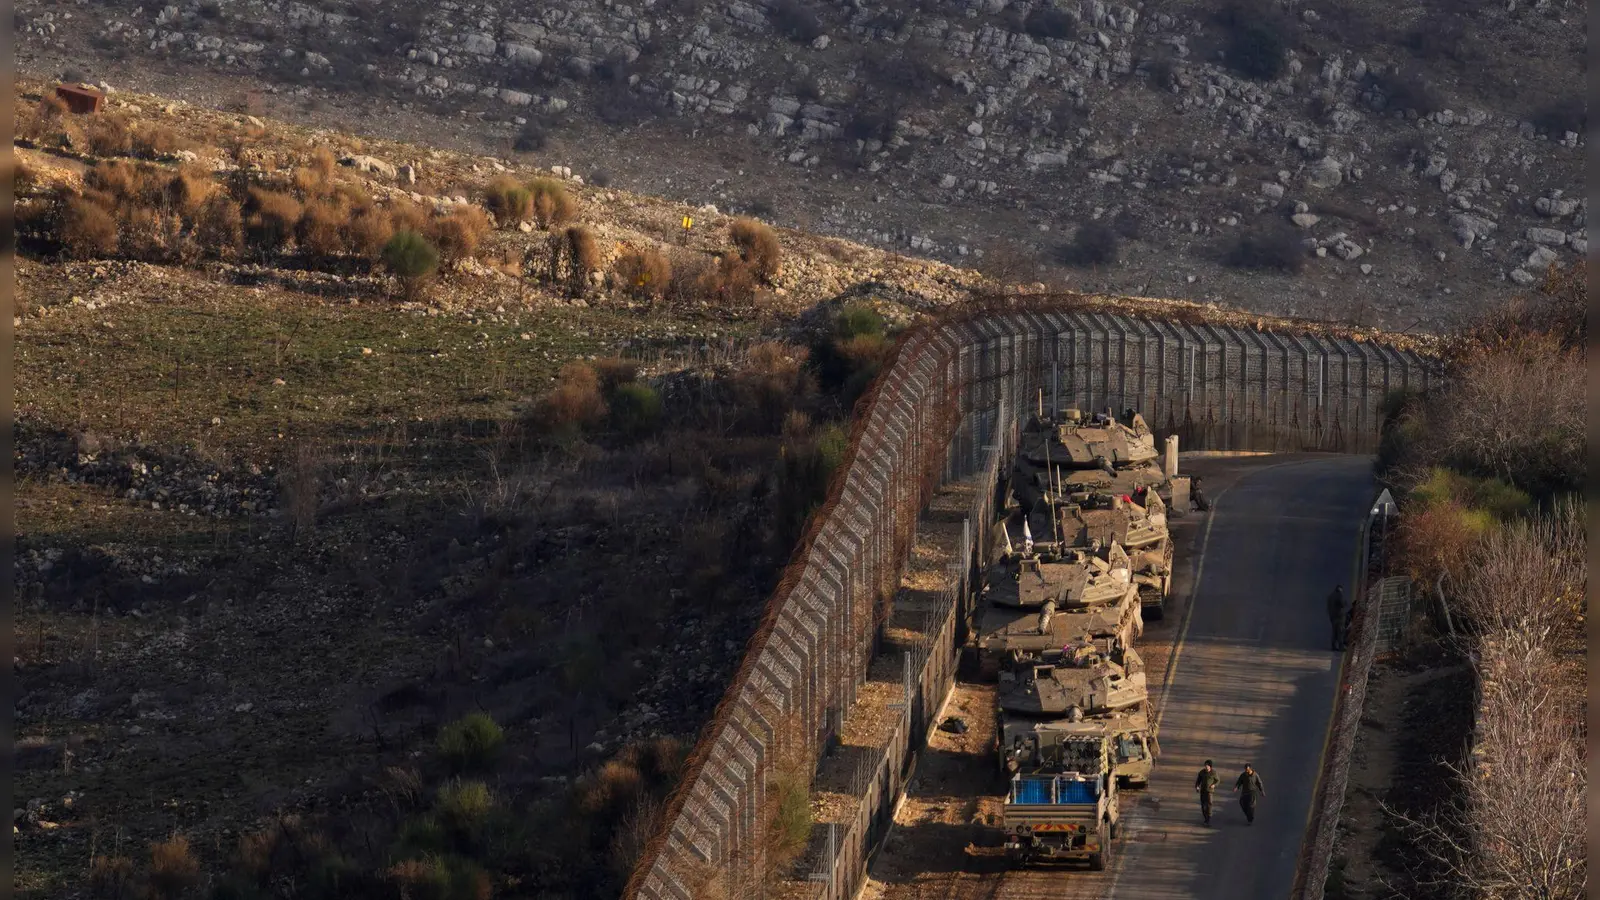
(1248, 787)
(1205, 783)
(1336, 616)
(1197, 496)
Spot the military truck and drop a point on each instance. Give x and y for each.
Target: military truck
(1066, 810)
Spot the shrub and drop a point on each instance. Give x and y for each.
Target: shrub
(1562, 116)
(552, 205)
(148, 234)
(322, 161)
(791, 822)
(87, 231)
(188, 191)
(509, 201)
(309, 183)
(458, 234)
(154, 142)
(636, 409)
(575, 403)
(219, 226)
(271, 220)
(1050, 22)
(1407, 91)
(758, 246)
(173, 867)
(472, 742)
(45, 123)
(106, 135)
(440, 878)
(410, 256)
(367, 231)
(1094, 244)
(1491, 495)
(582, 256)
(532, 138)
(1276, 250)
(463, 807)
(857, 319)
(407, 216)
(123, 181)
(729, 280)
(614, 372)
(320, 231)
(770, 382)
(795, 21)
(644, 274)
(111, 878)
(1257, 40)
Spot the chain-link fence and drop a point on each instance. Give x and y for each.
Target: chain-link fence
(946, 405)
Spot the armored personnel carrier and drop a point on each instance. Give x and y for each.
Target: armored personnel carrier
(1028, 746)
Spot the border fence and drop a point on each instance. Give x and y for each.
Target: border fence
(947, 405)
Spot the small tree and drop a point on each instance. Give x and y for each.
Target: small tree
(410, 256)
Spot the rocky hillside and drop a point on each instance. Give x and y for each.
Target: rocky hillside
(1398, 163)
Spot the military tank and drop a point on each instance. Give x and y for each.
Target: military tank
(1043, 600)
(1102, 521)
(1059, 458)
(1044, 695)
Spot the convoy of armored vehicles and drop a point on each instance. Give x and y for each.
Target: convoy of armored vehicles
(1083, 559)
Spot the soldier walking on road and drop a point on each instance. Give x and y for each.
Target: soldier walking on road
(1249, 787)
(1206, 783)
(1336, 618)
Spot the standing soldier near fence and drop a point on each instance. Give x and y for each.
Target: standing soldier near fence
(1248, 787)
(1206, 784)
(1336, 617)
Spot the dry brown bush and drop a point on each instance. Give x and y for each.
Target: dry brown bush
(758, 246)
(771, 382)
(458, 234)
(271, 220)
(87, 231)
(552, 204)
(44, 121)
(1517, 413)
(509, 201)
(219, 227)
(366, 231)
(154, 142)
(322, 161)
(1526, 581)
(1436, 540)
(112, 878)
(582, 255)
(575, 402)
(614, 371)
(645, 274)
(308, 183)
(729, 281)
(106, 135)
(124, 181)
(149, 234)
(188, 191)
(173, 868)
(321, 229)
(405, 215)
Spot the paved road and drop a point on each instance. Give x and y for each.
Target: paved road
(1254, 681)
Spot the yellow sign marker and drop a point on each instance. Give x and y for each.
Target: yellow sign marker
(688, 223)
